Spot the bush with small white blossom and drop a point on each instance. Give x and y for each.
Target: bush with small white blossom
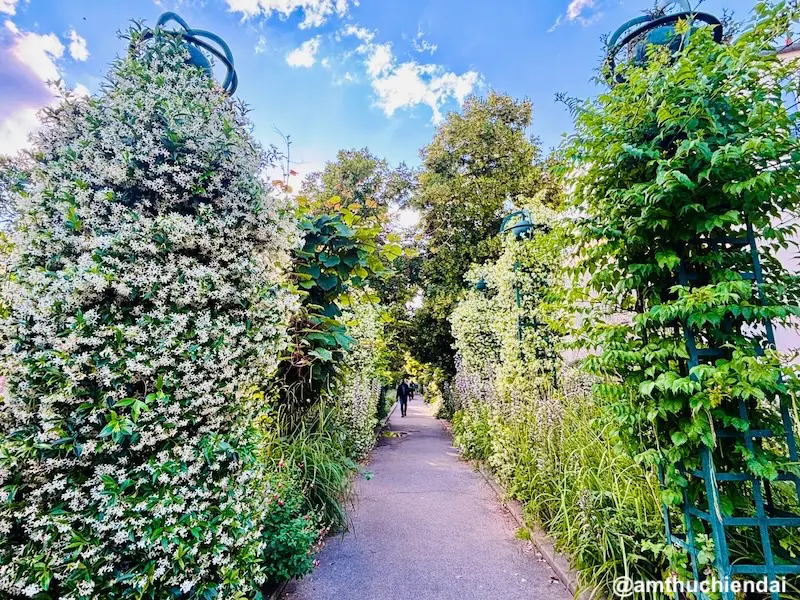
(359, 391)
(147, 310)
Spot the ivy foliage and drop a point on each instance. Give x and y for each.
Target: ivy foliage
(693, 146)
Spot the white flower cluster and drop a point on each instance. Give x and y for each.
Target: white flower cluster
(146, 307)
(506, 346)
(359, 392)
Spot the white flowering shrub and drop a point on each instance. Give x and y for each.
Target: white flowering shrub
(359, 391)
(146, 310)
(507, 334)
(508, 349)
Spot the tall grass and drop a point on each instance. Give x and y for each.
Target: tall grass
(315, 449)
(601, 508)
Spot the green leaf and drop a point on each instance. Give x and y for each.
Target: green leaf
(679, 438)
(328, 260)
(646, 388)
(327, 282)
(322, 354)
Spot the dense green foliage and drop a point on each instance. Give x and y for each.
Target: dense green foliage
(693, 147)
(478, 166)
(359, 177)
(196, 362)
(148, 447)
(599, 506)
(341, 255)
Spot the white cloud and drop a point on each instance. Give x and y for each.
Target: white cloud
(261, 46)
(576, 11)
(409, 84)
(77, 46)
(422, 45)
(576, 8)
(348, 77)
(315, 12)
(555, 25)
(16, 128)
(362, 33)
(37, 52)
(305, 55)
(8, 6)
(379, 60)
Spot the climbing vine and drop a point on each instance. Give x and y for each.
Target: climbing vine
(343, 251)
(693, 147)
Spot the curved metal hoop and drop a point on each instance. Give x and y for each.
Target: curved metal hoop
(646, 24)
(194, 37)
(524, 217)
(683, 5)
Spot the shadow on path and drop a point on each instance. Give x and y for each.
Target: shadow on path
(427, 527)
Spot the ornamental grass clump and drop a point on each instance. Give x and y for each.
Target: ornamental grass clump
(146, 311)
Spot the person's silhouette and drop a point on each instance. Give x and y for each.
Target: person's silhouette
(402, 396)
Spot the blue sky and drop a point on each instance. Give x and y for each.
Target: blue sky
(334, 73)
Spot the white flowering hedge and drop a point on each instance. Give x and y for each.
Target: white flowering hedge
(500, 343)
(359, 392)
(146, 312)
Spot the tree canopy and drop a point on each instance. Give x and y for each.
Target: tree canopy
(480, 165)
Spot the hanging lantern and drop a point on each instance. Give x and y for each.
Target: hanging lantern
(657, 29)
(198, 42)
(520, 224)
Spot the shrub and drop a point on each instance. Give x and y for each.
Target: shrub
(358, 394)
(599, 506)
(147, 307)
(315, 453)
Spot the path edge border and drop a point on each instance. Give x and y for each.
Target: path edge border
(558, 561)
(383, 423)
(278, 591)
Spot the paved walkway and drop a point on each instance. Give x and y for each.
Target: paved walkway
(427, 527)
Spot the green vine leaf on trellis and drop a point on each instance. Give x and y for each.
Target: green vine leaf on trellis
(686, 150)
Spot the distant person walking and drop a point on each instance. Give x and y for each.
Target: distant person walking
(411, 388)
(402, 396)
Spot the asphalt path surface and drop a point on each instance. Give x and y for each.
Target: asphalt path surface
(426, 526)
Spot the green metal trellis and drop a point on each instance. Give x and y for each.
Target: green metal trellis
(521, 224)
(765, 515)
(702, 511)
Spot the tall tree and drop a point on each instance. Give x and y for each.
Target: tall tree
(476, 169)
(358, 176)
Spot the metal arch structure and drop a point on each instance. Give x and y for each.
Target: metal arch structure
(522, 228)
(197, 41)
(766, 508)
(657, 31)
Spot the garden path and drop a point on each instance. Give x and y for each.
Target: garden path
(427, 527)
